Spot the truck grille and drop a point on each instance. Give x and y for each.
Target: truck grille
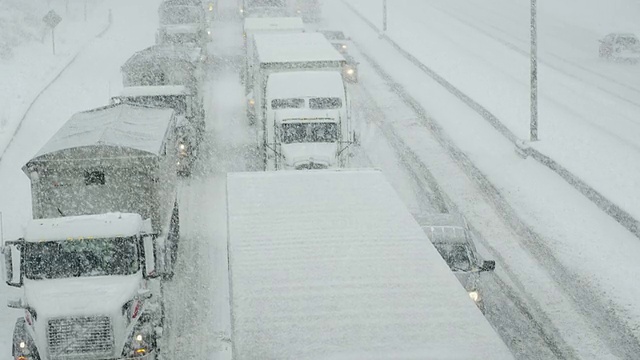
(80, 336)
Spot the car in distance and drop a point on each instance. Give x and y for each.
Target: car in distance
(620, 47)
(337, 39)
(350, 69)
(453, 238)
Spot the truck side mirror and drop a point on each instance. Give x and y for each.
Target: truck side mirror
(12, 263)
(150, 270)
(488, 265)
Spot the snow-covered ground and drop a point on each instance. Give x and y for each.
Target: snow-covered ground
(571, 266)
(583, 250)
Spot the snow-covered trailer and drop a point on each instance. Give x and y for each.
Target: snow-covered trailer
(189, 111)
(267, 25)
(118, 158)
(160, 65)
(182, 22)
(331, 265)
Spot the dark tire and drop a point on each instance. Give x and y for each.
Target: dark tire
(172, 244)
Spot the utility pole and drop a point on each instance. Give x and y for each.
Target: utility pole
(534, 74)
(384, 15)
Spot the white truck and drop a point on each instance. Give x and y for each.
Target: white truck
(105, 229)
(300, 102)
(331, 265)
(266, 25)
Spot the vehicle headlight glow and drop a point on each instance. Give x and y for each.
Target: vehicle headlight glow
(350, 71)
(210, 6)
(474, 295)
(344, 46)
(251, 102)
(141, 341)
(183, 146)
(22, 345)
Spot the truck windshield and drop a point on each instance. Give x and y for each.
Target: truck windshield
(182, 38)
(80, 258)
(325, 103)
(309, 132)
(265, 3)
(287, 104)
(456, 255)
(173, 15)
(176, 102)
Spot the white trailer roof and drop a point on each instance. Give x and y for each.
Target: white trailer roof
(85, 226)
(331, 265)
(273, 24)
(297, 84)
(294, 48)
(123, 125)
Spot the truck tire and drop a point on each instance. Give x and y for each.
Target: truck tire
(171, 255)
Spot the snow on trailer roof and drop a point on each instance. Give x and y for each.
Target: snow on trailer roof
(298, 47)
(163, 53)
(295, 84)
(122, 125)
(158, 90)
(331, 265)
(85, 226)
(273, 24)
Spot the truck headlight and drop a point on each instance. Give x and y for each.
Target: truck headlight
(23, 345)
(474, 295)
(141, 340)
(350, 71)
(210, 6)
(251, 102)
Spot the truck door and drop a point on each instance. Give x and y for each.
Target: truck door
(12, 263)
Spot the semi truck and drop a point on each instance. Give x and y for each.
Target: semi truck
(330, 264)
(297, 96)
(183, 22)
(104, 234)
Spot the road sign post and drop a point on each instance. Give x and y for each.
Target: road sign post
(52, 19)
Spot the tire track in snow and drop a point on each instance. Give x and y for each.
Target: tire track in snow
(604, 317)
(529, 308)
(618, 214)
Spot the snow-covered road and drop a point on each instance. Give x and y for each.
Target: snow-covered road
(559, 257)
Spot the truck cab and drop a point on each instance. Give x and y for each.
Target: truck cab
(308, 120)
(90, 288)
